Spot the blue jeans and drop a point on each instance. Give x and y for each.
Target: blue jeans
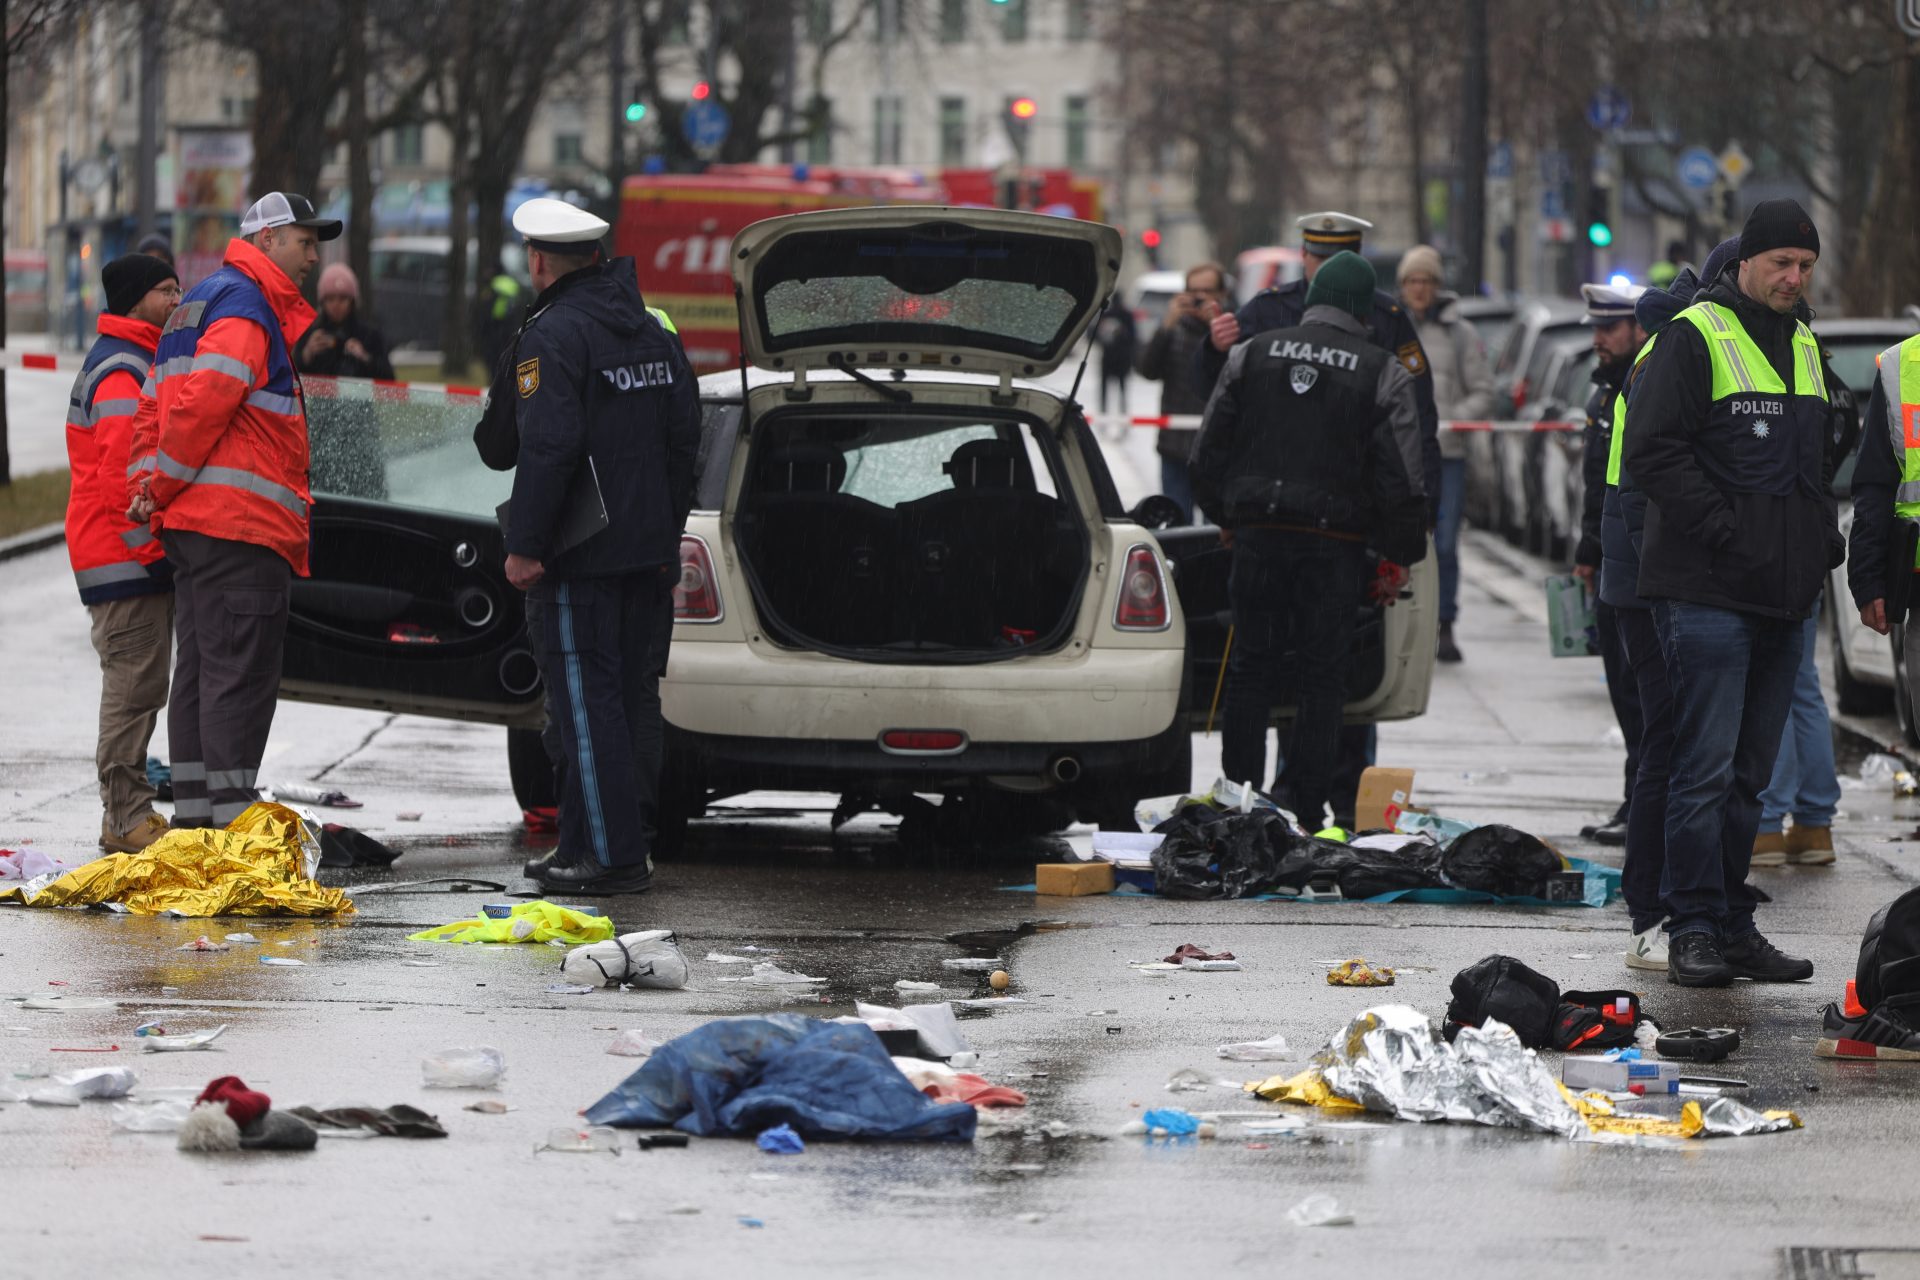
(1177, 483)
(1805, 783)
(1646, 854)
(1298, 594)
(1732, 677)
(1446, 533)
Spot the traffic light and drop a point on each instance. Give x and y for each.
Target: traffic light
(1150, 242)
(636, 112)
(1019, 122)
(1599, 217)
(700, 91)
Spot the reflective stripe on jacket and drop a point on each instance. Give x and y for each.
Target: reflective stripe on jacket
(221, 439)
(110, 555)
(1899, 367)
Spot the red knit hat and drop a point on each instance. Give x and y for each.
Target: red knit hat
(244, 1105)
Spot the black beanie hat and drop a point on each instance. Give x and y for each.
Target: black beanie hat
(129, 278)
(1777, 224)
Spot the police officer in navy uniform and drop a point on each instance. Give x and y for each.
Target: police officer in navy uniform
(1323, 235)
(608, 414)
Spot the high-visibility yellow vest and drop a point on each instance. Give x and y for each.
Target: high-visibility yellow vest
(661, 316)
(1617, 444)
(1899, 367)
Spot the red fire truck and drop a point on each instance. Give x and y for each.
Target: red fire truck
(679, 228)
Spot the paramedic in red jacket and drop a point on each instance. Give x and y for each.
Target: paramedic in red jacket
(220, 466)
(124, 580)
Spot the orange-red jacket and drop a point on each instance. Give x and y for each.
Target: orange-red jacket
(112, 558)
(220, 442)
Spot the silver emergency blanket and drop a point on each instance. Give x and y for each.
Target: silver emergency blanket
(1729, 1118)
(1389, 1059)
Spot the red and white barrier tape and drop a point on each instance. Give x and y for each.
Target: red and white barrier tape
(1191, 421)
(377, 390)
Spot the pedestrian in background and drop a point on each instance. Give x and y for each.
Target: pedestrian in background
(1462, 388)
(220, 469)
(1168, 360)
(1616, 338)
(1726, 434)
(158, 246)
(1308, 454)
(604, 604)
(124, 578)
(1118, 336)
(340, 344)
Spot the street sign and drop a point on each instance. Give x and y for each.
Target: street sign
(1552, 205)
(1697, 168)
(705, 124)
(1556, 230)
(1734, 164)
(1500, 156)
(1609, 108)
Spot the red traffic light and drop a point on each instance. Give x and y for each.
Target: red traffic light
(701, 90)
(1023, 108)
(1150, 238)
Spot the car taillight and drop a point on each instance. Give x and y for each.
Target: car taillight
(929, 741)
(696, 597)
(1519, 395)
(1143, 593)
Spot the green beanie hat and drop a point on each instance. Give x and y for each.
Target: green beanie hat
(1346, 281)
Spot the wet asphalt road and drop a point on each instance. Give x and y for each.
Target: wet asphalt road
(1512, 736)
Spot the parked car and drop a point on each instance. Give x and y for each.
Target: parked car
(410, 285)
(1492, 319)
(1518, 365)
(908, 571)
(1148, 296)
(1258, 269)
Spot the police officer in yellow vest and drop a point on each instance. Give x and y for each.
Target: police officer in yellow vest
(1726, 435)
(1886, 494)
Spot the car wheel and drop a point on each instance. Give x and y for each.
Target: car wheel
(1903, 691)
(1856, 696)
(530, 769)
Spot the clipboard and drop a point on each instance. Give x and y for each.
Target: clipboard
(584, 516)
(1902, 548)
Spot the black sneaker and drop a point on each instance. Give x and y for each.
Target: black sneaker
(537, 867)
(1694, 960)
(1756, 958)
(1614, 833)
(593, 880)
(1444, 649)
(1882, 1035)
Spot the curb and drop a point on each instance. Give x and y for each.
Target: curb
(32, 540)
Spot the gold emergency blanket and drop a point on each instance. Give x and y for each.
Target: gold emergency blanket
(256, 867)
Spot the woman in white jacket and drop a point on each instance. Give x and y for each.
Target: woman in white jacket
(1462, 388)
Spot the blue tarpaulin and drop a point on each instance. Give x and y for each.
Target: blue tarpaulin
(740, 1076)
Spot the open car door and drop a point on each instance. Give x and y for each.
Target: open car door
(1392, 671)
(408, 608)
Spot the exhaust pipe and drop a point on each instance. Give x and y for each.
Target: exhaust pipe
(1064, 770)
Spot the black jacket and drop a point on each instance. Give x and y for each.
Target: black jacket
(1596, 447)
(1282, 307)
(596, 377)
(1875, 478)
(336, 363)
(1313, 427)
(1168, 360)
(1755, 552)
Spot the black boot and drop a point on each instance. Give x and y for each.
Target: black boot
(1444, 649)
(1694, 960)
(594, 880)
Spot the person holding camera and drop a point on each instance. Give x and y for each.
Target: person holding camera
(1167, 358)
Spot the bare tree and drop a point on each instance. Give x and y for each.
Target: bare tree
(30, 26)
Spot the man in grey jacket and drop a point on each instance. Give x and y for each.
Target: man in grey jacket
(1462, 388)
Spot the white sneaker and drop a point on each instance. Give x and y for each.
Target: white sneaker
(1648, 950)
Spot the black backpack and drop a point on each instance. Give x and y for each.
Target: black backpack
(1541, 1014)
(1889, 970)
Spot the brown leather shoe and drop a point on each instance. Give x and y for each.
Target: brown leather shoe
(1769, 849)
(149, 829)
(1809, 846)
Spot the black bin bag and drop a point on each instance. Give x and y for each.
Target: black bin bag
(1211, 854)
(1500, 860)
(1889, 969)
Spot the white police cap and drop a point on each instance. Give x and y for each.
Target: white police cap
(1325, 234)
(1607, 303)
(558, 227)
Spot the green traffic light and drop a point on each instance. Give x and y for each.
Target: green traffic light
(1599, 235)
(636, 112)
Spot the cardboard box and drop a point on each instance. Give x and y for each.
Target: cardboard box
(1583, 1071)
(1073, 879)
(1384, 795)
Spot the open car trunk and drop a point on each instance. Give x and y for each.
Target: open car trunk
(914, 536)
